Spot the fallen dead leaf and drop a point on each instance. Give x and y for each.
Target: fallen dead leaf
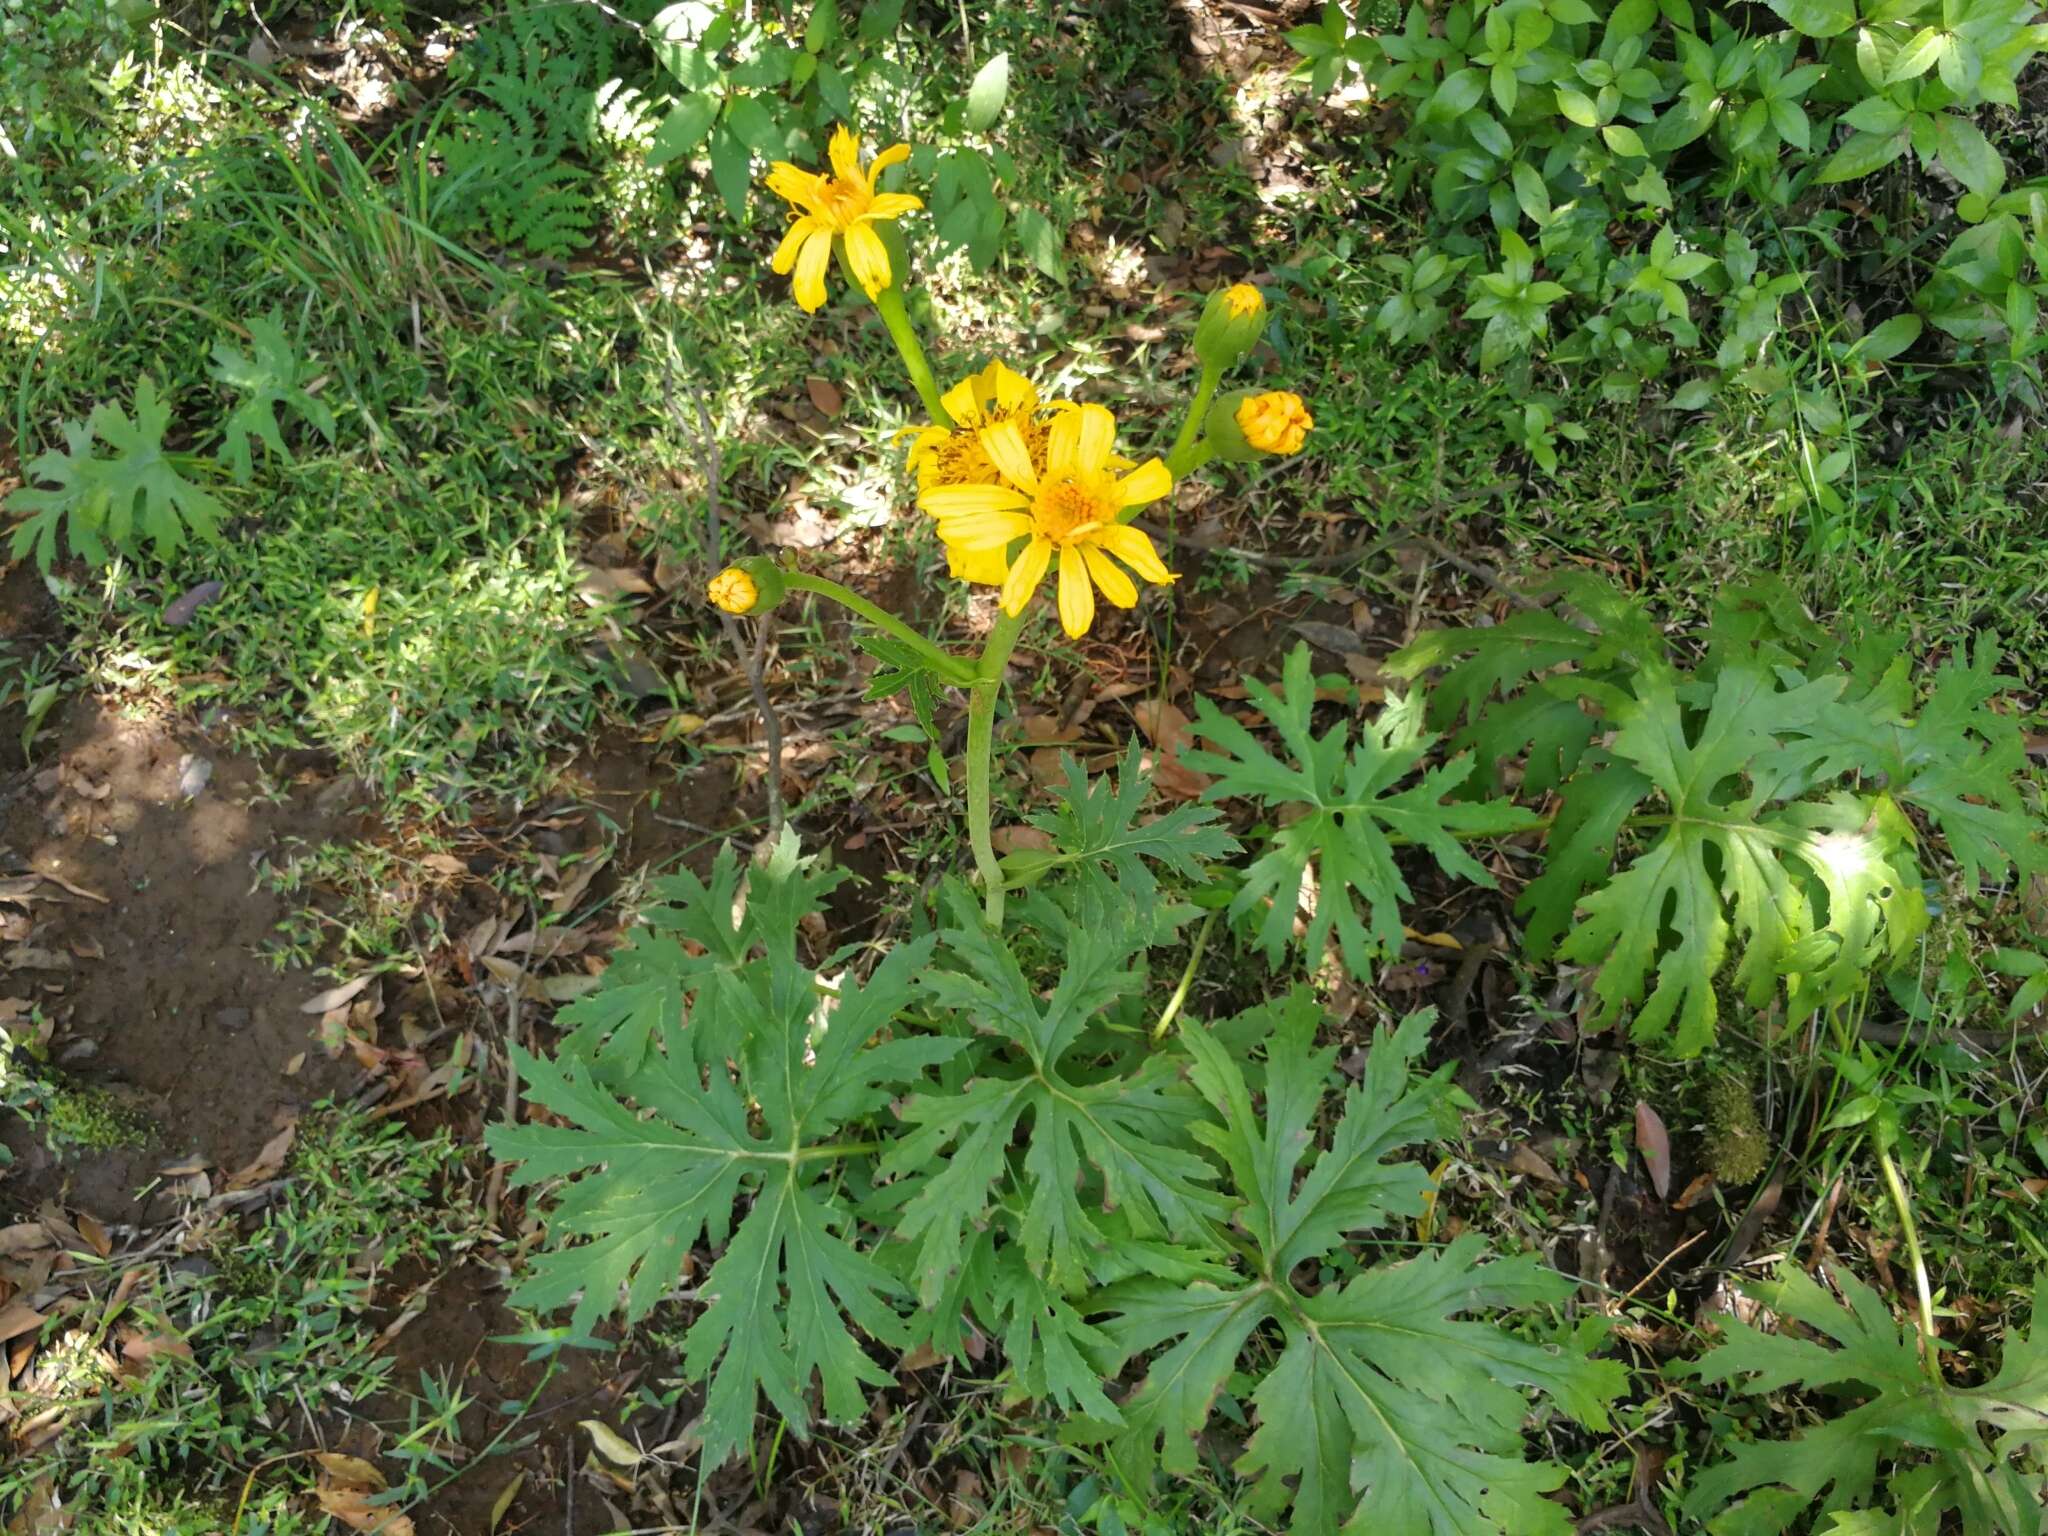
(334, 997)
(611, 1445)
(1166, 727)
(269, 1162)
(1654, 1142)
(1525, 1159)
(1010, 839)
(18, 1318)
(353, 1509)
(825, 395)
(350, 1471)
(95, 1234)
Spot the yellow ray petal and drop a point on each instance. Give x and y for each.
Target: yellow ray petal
(1116, 586)
(984, 530)
(1005, 446)
(892, 205)
(795, 184)
(1060, 444)
(785, 253)
(868, 257)
(895, 154)
(1095, 437)
(811, 262)
(845, 154)
(1132, 547)
(964, 500)
(1077, 595)
(1025, 575)
(1011, 389)
(1148, 482)
(983, 567)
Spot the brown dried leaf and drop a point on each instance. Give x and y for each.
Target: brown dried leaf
(350, 1471)
(18, 1318)
(825, 395)
(1654, 1142)
(335, 997)
(1010, 839)
(269, 1162)
(353, 1509)
(1525, 1159)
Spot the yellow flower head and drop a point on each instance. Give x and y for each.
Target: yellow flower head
(1069, 506)
(954, 456)
(734, 590)
(1243, 301)
(1275, 422)
(843, 205)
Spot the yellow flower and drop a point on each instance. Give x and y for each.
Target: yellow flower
(955, 456)
(1275, 422)
(1070, 506)
(842, 205)
(734, 590)
(1243, 300)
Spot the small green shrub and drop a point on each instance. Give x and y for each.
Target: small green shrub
(1673, 170)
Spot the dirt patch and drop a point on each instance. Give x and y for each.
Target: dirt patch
(144, 947)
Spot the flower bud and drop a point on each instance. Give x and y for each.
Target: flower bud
(1274, 422)
(752, 585)
(1232, 322)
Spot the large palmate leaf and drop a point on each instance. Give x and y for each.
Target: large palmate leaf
(1899, 1415)
(274, 376)
(1542, 726)
(1386, 1406)
(702, 1137)
(1824, 890)
(1092, 1140)
(140, 492)
(1352, 815)
(1956, 761)
(1096, 823)
(654, 980)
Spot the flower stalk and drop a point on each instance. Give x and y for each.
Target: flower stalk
(1181, 458)
(889, 305)
(954, 669)
(981, 719)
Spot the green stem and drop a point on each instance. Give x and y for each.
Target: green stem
(1187, 978)
(889, 305)
(1897, 1186)
(981, 721)
(955, 669)
(1180, 459)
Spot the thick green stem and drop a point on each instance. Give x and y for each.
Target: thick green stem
(889, 305)
(1180, 459)
(1897, 1186)
(955, 669)
(981, 725)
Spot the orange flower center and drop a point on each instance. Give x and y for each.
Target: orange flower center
(841, 202)
(1069, 509)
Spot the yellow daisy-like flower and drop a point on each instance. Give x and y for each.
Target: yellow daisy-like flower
(844, 206)
(1069, 507)
(733, 590)
(955, 456)
(1275, 422)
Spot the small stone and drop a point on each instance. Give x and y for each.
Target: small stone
(78, 1051)
(231, 1020)
(194, 774)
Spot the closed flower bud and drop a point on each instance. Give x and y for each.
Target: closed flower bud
(752, 585)
(1232, 322)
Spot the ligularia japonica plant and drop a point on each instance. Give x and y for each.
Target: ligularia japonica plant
(996, 1132)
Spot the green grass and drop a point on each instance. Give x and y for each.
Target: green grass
(273, 1320)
